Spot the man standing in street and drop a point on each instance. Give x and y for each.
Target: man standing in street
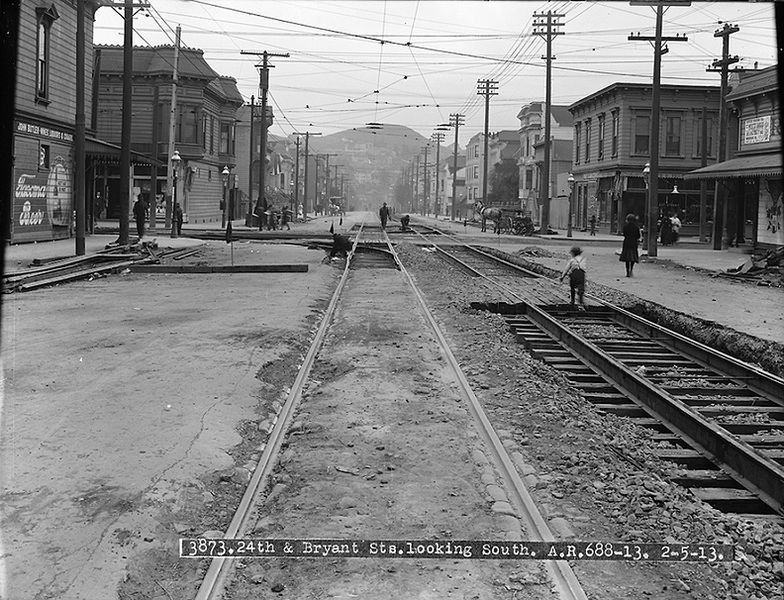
(383, 214)
(139, 215)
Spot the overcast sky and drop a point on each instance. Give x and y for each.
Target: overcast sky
(434, 53)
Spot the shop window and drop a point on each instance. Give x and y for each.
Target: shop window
(45, 17)
(642, 134)
(43, 156)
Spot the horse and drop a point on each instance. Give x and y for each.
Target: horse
(488, 212)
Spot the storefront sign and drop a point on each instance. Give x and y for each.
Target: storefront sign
(760, 130)
(44, 132)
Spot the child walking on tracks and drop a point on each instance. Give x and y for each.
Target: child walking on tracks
(575, 269)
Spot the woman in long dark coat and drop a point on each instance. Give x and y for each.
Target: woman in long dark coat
(631, 237)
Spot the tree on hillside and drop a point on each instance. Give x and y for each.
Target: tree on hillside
(503, 183)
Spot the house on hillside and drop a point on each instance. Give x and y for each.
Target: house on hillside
(205, 134)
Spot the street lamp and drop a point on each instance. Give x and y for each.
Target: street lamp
(175, 167)
(225, 177)
(646, 175)
(570, 181)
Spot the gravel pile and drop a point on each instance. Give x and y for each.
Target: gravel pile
(598, 469)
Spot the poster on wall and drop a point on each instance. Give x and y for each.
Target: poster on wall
(42, 201)
(771, 213)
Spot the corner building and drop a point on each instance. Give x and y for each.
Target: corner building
(42, 201)
(612, 135)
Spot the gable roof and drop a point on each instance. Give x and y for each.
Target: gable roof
(755, 82)
(157, 60)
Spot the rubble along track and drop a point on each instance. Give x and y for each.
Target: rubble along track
(719, 419)
(562, 578)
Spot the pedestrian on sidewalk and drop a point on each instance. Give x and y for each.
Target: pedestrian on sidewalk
(631, 238)
(139, 215)
(675, 225)
(575, 269)
(665, 229)
(177, 218)
(593, 224)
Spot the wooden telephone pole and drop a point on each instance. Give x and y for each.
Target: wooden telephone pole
(652, 202)
(455, 119)
(263, 86)
(546, 26)
(720, 234)
(486, 88)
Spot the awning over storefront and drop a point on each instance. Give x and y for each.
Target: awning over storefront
(110, 153)
(742, 166)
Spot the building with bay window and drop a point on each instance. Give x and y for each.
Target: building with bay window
(611, 146)
(204, 130)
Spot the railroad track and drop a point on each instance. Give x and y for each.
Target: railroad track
(720, 420)
(563, 578)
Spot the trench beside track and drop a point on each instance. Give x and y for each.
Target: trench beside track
(720, 420)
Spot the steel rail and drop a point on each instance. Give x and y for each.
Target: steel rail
(220, 567)
(560, 571)
(757, 473)
(764, 382)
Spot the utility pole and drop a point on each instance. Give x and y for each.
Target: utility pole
(168, 220)
(263, 86)
(486, 88)
(704, 163)
(546, 26)
(307, 135)
(125, 135)
(79, 132)
(249, 216)
(652, 203)
(721, 237)
(426, 190)
(326, 171)
(438, 137)
(296, 179)
(455, 119)
(416, 186)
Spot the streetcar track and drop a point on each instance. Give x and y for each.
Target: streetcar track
(219, 568)
(560, 572)
(623, 363)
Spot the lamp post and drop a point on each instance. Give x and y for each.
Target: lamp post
(175, 167)
(570, 180)
(650, 236)
(225, 177)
